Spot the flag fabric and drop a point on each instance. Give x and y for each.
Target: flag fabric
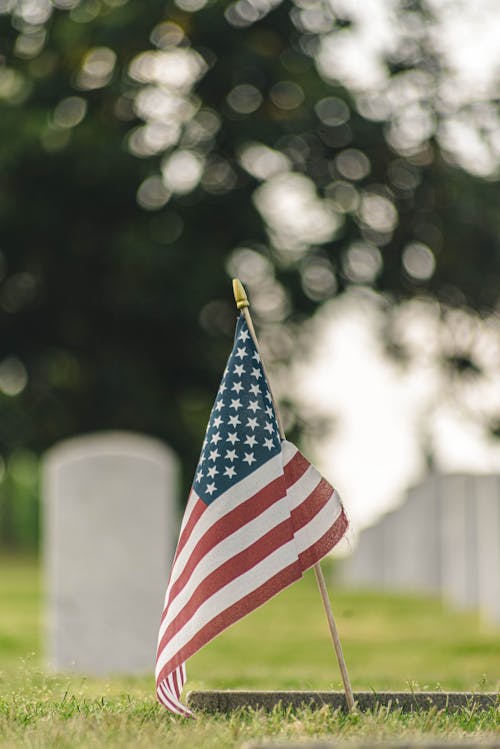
(258, 515)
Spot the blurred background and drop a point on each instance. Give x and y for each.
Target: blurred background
(342, 159)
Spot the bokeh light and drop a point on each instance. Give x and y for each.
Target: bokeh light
(13, 376)
(182, 171)
(97, 68)
(419, 261)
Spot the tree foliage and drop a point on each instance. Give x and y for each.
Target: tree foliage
(150, 150)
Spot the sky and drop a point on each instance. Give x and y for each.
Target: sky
(464, 35)
(380, 411)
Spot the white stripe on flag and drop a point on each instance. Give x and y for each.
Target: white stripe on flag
(241, 539)
(225, 550)
(226, 596)
(224, 504)
(191, 503)
(253, 578)
(288, 450)
(303, 487)
(322, 521)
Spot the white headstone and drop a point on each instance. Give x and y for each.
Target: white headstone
(402, 551)
(488, 562)
(412, 543)
(459, 539)
(422, 554)
(444, 539)
(364, 567)
(110, 525)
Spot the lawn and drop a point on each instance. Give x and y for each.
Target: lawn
(390, 642)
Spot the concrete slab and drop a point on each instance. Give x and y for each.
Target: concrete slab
(227, 701)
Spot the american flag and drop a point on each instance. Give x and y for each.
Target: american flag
(258, 515)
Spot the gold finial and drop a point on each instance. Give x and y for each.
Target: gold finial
(240, 295)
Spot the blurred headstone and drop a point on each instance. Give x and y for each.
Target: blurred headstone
(412, 557)
(365, 565)
(459, 544)
(444, 539)
(110, 524)
(488, 560)
(401, 551)
(424, 548)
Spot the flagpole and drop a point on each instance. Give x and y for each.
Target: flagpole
(243, 304)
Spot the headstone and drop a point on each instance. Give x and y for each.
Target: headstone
(402, 551)
(412, 536)
(459, 562)
(110, 524)
(488, 561)
(364, 567)
(444, 539)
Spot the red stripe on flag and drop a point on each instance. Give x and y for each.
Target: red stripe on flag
(253, 600)
(295, 468)
(233, 613)
(312, 504)
(229, 571)
(177, 687)
(196, 513)
(322, 546)
(228, 524)
(168, 702)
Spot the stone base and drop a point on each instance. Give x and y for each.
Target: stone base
(227, 701)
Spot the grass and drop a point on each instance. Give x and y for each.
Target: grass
(390, 642)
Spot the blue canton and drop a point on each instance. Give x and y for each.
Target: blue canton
(242, 432)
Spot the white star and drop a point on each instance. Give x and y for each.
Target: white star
(234, 420)
(269, 412)
(254, 389)
(230, 455)
(239, 369)
(229, 471)
(232, 438)
(222, 388)
(219, 405)
(252, 423)
(237, 386)
(202, 459)
(199, 475)
(268, 443)
(215, 438)
(256, 356)
(256, 373)
(250, 440)
(212, 471)
(249, 458)
(268, 396)
(269, 427)
(254, 406)
(243, 336)
(241, 352)
(210, 489)
(235, 404)
(214, 455)
(217, 421)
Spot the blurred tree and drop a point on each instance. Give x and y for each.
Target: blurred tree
(147, 149)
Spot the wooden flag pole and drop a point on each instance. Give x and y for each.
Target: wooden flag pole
(243, 304)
